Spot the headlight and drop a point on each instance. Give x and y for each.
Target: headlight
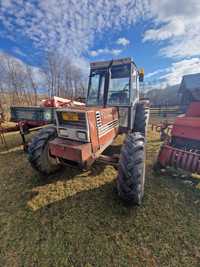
(81, 135)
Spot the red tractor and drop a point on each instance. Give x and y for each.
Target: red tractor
(81, 134)
(182, 150)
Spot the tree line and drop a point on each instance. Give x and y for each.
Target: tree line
(169, 96)
(22, 84)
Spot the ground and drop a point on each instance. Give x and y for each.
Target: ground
(76, 219)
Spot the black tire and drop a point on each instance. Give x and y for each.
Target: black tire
(38, 152)
(141, 119)
(131, 172)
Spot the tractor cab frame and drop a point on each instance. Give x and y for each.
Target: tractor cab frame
(115, 84)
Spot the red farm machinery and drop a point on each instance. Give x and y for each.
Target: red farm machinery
(182, 149)
(81, 134)
(32, 118)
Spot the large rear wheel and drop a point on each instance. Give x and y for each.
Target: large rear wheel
(131, 173)
(39, 154)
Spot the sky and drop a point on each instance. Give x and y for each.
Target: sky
(162, 36)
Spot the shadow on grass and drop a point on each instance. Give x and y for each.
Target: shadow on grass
(68, 182)
(67, 172)
(89, 203)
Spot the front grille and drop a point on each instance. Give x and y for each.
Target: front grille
(80, 124)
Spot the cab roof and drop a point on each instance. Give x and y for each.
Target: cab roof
(114, 62)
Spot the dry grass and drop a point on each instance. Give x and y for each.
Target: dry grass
(75, 219)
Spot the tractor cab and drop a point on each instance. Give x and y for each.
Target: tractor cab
(113, 83)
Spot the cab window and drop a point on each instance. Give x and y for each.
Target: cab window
(96, 89)
(119, 87)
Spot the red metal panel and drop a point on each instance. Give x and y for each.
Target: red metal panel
(187, 127)
(193, 110)
(173, 158)
(165, 155)
(179, 157)
(70, 150)
(186, 160)
(188, 165)
(93, 130)
(108, 137)
(198, 167)
(33, 123)
(195, 164)
(108, 115)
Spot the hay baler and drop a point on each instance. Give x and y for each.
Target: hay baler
(182, 150)
(82, 134)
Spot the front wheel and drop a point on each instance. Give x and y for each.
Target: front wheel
(131, 173)
(39, 154)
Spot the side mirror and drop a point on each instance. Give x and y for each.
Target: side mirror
(141, 75)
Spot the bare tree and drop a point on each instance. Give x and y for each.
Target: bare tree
(62, 77)
(19, 85)
(33, 83)
(17, 81)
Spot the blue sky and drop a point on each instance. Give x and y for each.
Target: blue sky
(161, 36)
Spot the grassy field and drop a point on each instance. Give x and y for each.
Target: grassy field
(76, 219)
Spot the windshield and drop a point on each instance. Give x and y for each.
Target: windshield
(119, 87)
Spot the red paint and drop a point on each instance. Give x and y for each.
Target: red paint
(193, 110)
(86, 153)
(31, 123)
(70, 150)
(93, 130)
(186, 127)
(170, 156)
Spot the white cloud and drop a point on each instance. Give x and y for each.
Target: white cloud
(168, 9)
(176, 71)
(187, 46)
(68, 26)
(171, 29)
(178, 23)
(154, 73)
(114, 52)
(18, 51)
(123, 41)
(172, 75)
(71, 26)
(94, 53)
